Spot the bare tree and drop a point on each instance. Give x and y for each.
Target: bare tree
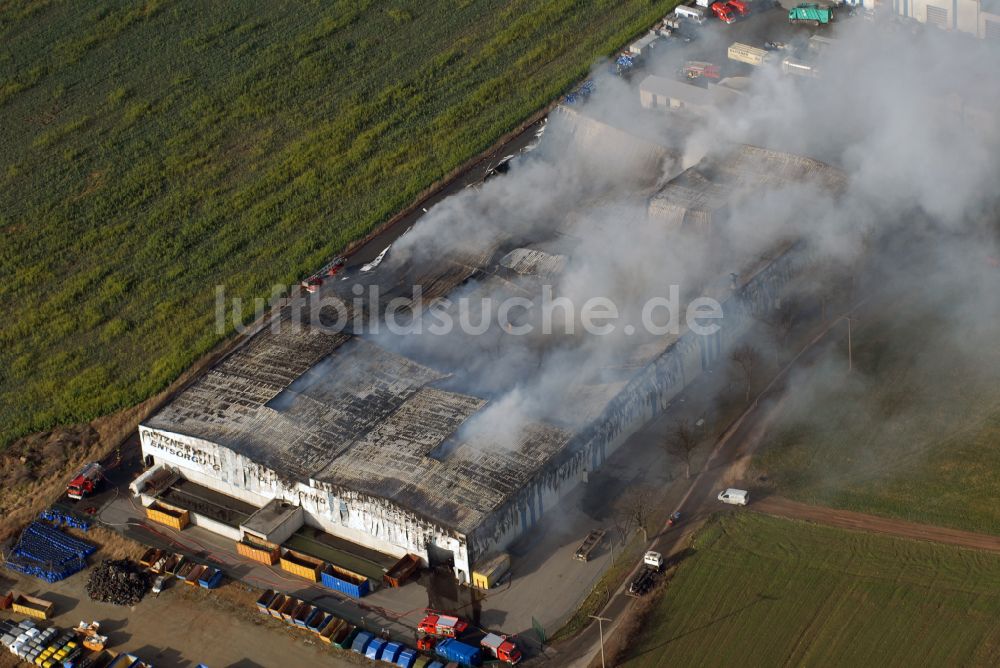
(782, 320)
(637, 504)
(621, 520)
(867, 243)
(820, 279)
(681, 444)
(745, 358)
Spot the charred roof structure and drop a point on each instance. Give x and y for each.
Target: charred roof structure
(363, 419)
(531, 262)
(699, 194)
(376, 446)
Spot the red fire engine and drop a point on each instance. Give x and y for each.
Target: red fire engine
(501, 648)
(723, 11)
(444, 626)
(86, 481)
(739, 6)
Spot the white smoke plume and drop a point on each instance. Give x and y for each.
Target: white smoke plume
(910, 118)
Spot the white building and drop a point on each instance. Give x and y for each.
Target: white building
(656, 92)
(975, 17)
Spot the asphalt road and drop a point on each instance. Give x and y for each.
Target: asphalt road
(186, 626)
(121, 466)
(722, 470)
(725, 467)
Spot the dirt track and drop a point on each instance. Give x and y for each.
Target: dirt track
(847, 519)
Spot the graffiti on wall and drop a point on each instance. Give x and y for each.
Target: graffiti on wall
(185, 452)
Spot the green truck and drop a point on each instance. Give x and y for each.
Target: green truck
(810, 13)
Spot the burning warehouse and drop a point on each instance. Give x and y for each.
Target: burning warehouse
(450, 448)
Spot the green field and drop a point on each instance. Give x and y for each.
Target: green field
(912, 433)
(761, 591)
(151, 151)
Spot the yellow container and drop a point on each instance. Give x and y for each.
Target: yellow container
(32, 607)
(486, 574)
(302, 565)
(264, 554)
(175, 518)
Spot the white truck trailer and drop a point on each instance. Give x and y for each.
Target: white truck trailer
(751, 55)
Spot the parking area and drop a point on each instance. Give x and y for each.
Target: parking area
(183, 626)
(767, 22)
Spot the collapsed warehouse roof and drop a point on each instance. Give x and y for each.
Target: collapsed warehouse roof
(342, 410)
(531, 261)
(700, 193)
(362, 418)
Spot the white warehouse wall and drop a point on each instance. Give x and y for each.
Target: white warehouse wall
(373, 523)
(961, 15)
(643, 398)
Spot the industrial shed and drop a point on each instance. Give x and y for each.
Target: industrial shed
(701, 194)
(367, 444)
(656, 92)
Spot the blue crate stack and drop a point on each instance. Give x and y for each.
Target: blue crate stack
(47, 553)
(59, 518)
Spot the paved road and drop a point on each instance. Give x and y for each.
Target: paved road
(208, 547)
(725, 467)
(846, 519)
(186, 626)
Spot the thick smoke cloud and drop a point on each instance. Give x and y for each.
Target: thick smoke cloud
(899, 112)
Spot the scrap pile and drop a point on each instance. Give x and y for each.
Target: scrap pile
(45, 552)
(117, 581)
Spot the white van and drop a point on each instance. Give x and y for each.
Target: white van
(690, 13)
(653, 560)
(737, 497)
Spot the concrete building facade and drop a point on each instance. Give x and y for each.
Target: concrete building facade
(656, 92)
(980, 18)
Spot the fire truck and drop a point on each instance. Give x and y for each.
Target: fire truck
(330, 269)
(723, 11)
(443, 626)
(86, 481)
(739, 7)
(697, 69)
(501, 648)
